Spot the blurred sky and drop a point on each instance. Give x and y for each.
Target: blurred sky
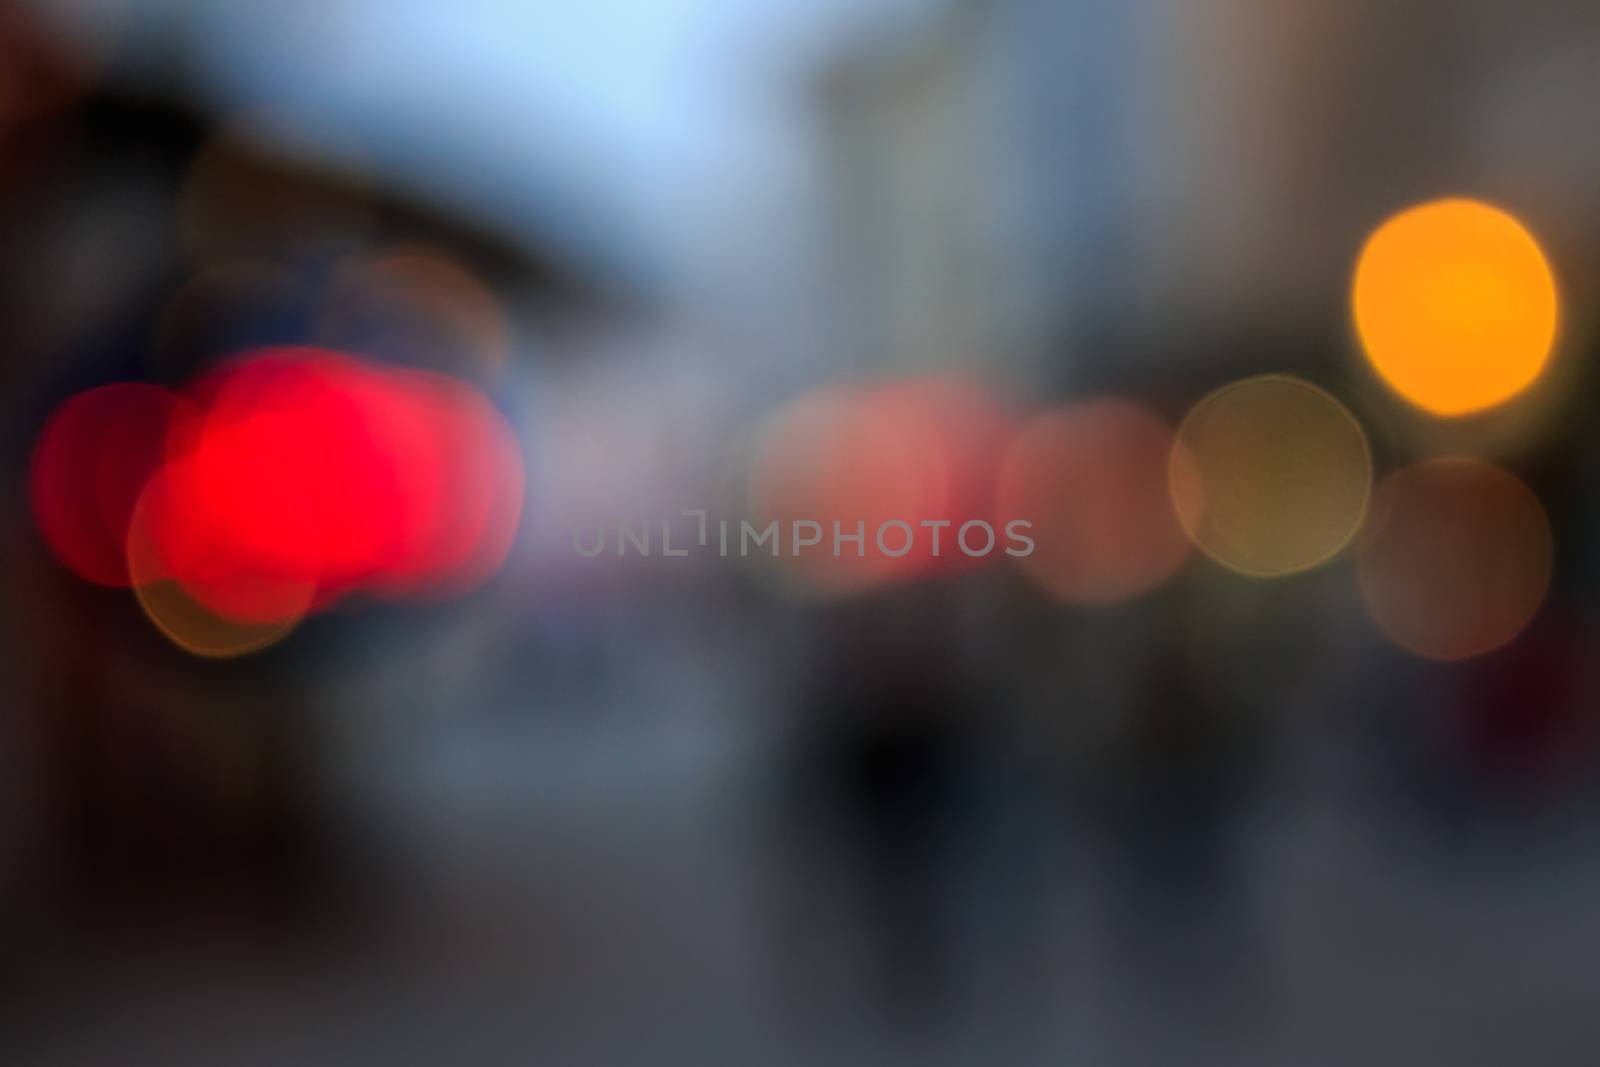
(602, 116)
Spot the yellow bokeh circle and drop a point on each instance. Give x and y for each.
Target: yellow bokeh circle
(1455, 305)
(1270, 475)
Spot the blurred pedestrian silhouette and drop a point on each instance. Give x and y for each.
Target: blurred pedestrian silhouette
(882, 792)
(1181, 792)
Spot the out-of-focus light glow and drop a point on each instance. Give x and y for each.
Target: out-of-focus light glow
(177, 611)
(463, 496)
(1272, 476)
(288, 458)
(274, 486)
(90, 464)
(1458, 560)
(312, 467)
(203, 533)
(913, 451)
(1455, 305)
(1092, 478)
(971, 431)
(847, 456)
